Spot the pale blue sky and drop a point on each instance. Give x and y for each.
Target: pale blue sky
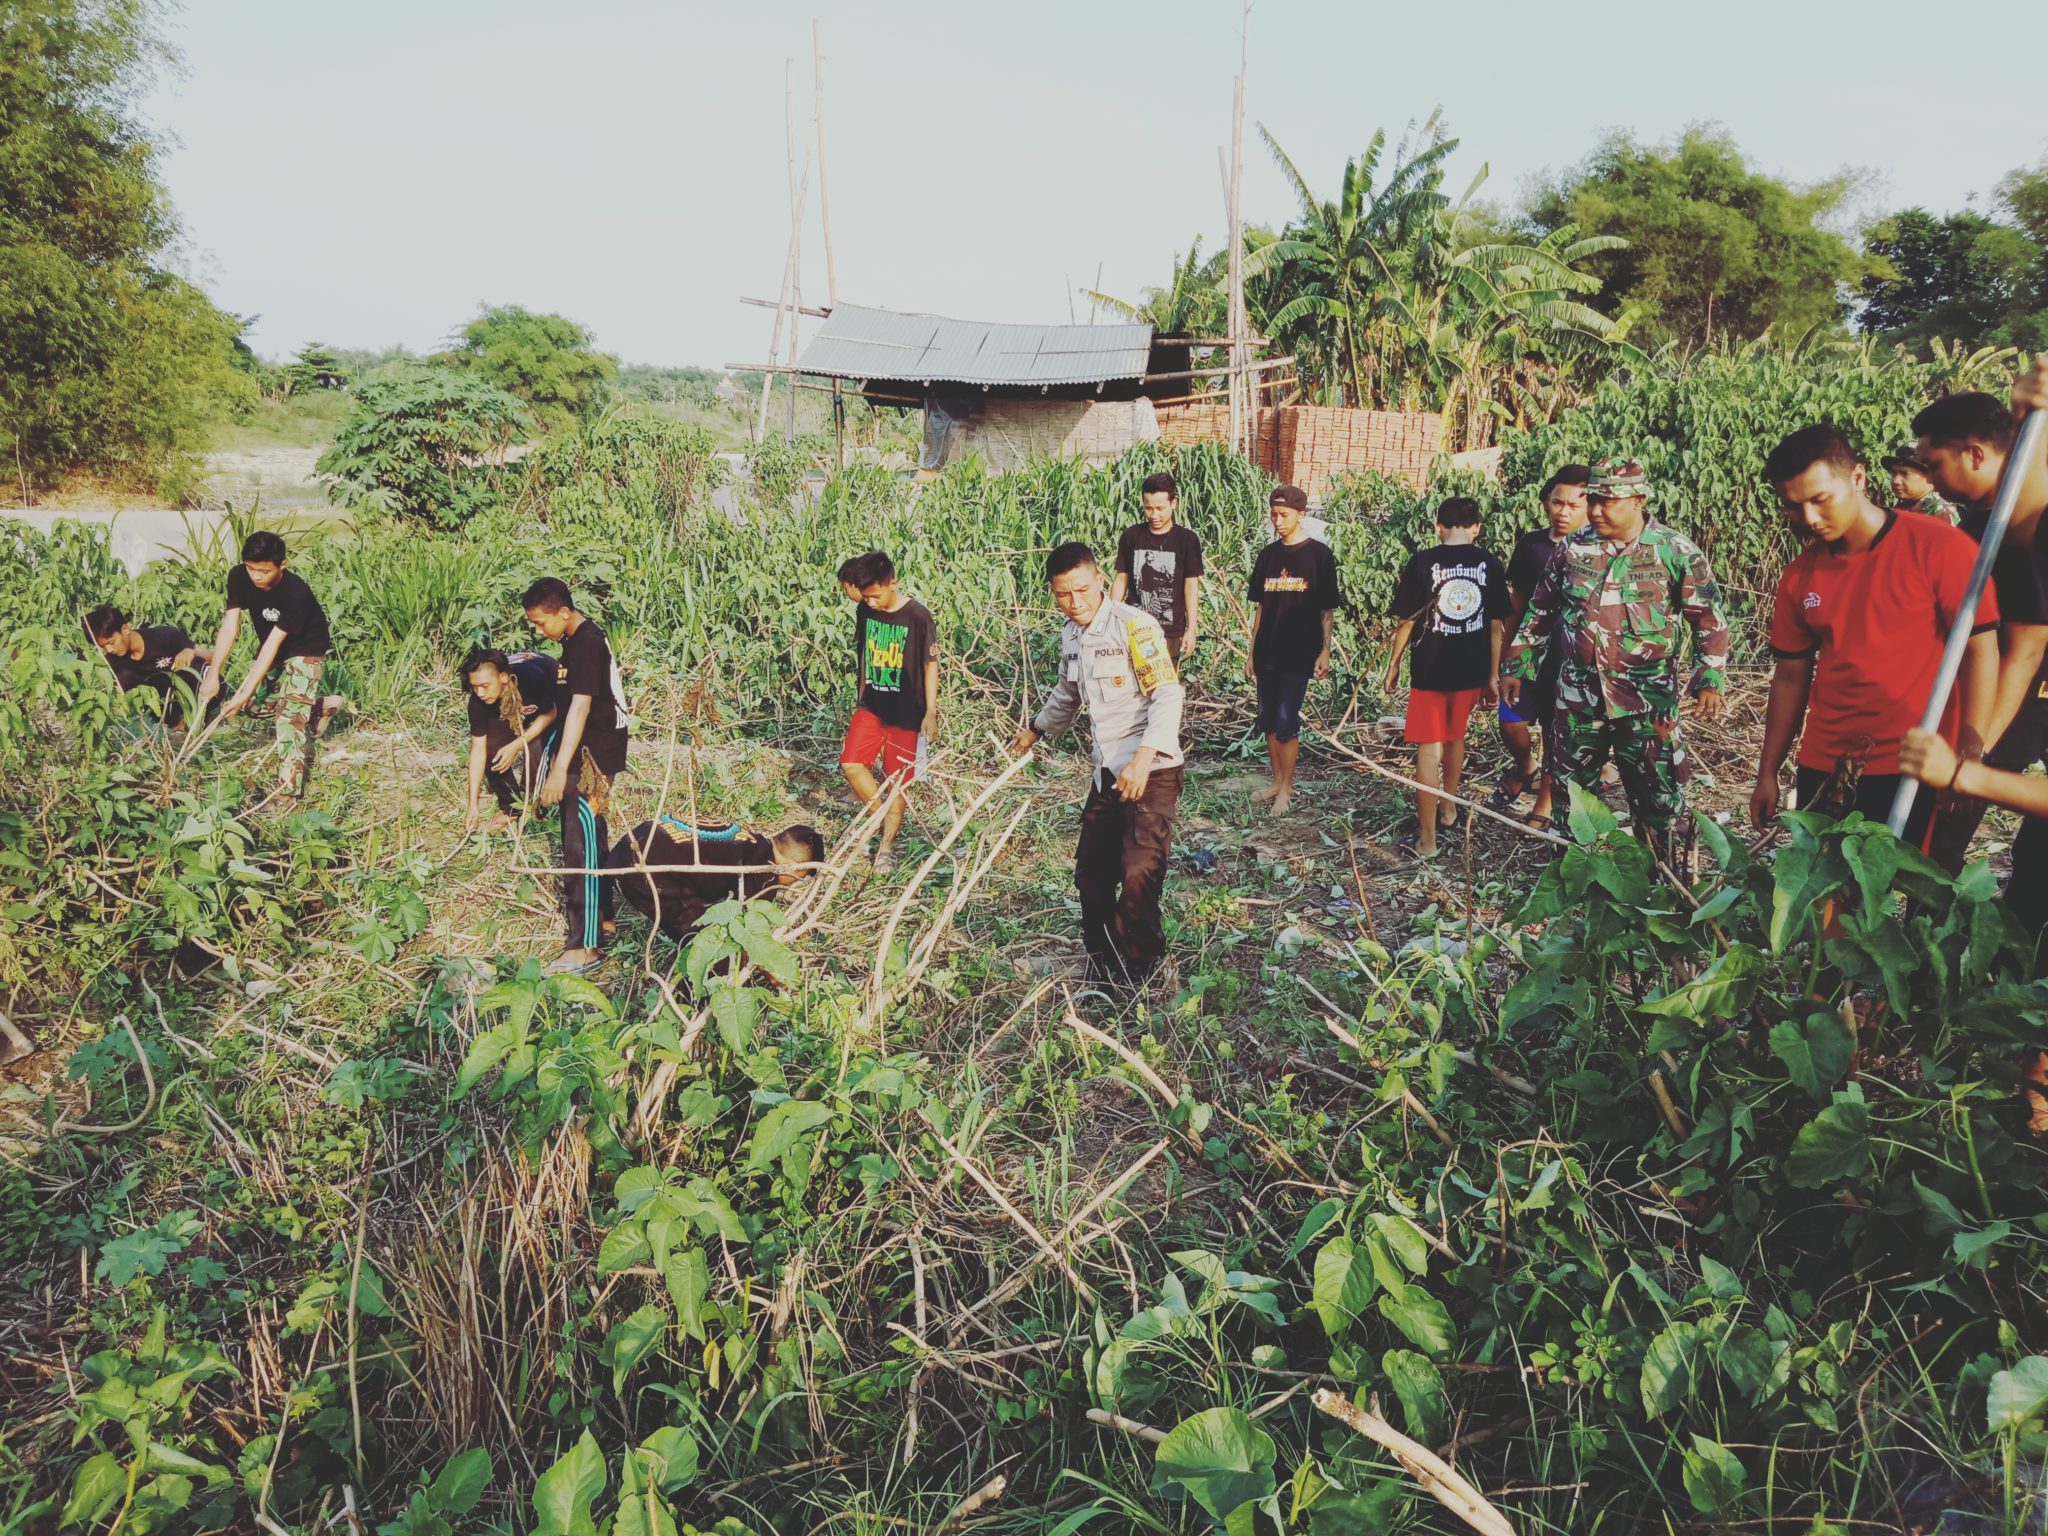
(368, 172)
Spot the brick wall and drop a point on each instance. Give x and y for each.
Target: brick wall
(1306, 445)
(1198, 421)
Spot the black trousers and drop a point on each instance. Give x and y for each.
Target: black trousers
(587, 900)
(1873, 797)
(2024, 743)
(516, 785)
(1120, 872)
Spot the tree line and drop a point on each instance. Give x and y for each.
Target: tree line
(1392, 293)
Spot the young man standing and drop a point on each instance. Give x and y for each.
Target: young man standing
(1564, 514)
(512, 717)
(161, 657)
(1452, 599)
(1965, 440)
(1294, 600)
(1159, 565)
(590, 752)
(1114, 661)
(291, 654)
(896, 650)
(1913, 488)
(1861, 617)
(1615, 600)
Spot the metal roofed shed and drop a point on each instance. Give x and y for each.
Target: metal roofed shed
(856, 342)
(1003, 393)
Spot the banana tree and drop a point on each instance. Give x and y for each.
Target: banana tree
(1329, 286)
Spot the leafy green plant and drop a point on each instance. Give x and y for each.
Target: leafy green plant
(426, 444)
(436, 1505)
(146, 1394)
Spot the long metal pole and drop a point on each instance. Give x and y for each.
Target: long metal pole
(2026, 449)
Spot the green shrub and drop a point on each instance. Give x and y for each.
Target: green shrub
(423, 443)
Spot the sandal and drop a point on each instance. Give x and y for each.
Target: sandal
(1508, 791)
(1411, 843)
(567, 967)
(1537, 823)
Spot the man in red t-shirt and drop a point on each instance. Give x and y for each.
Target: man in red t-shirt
(1861, 617)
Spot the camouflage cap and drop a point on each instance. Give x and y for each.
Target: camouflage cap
(1907, 456)
(1616, 479)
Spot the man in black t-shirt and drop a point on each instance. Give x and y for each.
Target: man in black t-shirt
(1564, 514)
(1294, 598)
(590, 752)
(675, 897)
(896, 648)
(291, 656)
(1452, 600)
(1964, 440)
(512, 718)
(1159, 566)
(159, 657)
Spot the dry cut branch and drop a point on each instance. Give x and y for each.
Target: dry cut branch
(1439, 1480)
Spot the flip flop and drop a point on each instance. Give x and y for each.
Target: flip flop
(573, 967)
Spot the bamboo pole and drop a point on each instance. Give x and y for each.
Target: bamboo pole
(796, 233)
(818, 122)
(1240, 426)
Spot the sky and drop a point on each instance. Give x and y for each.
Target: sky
(369, 173)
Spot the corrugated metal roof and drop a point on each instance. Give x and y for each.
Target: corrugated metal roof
(859, 343)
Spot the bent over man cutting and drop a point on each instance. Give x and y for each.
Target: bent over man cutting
(1114, 659)
(1616, 597)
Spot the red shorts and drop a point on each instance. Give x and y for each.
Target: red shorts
(867, 739)
(1435, 717)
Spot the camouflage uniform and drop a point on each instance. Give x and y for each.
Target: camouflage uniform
(1933, 504)
(1618, 612)
(291, 693)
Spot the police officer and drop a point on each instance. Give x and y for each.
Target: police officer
(1114, 660)
(1616, 597)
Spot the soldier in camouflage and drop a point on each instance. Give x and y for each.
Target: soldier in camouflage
(1616, 596)
(1913, 488)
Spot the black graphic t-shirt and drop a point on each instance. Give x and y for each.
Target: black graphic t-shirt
(534, 676)
(1532, 554)
(161, 644)
(289, 606)
(587, 667)
(1452, 593)
(893, 649)
(1294, 585)
(1158, 566)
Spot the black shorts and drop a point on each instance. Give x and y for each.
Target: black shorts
(1280, 698)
